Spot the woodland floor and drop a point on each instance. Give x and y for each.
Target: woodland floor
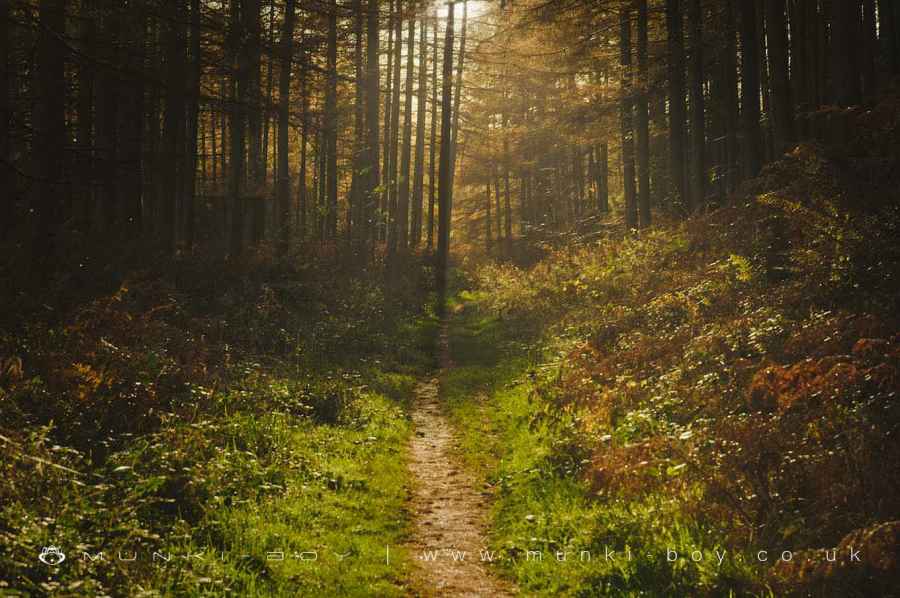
(449, 510)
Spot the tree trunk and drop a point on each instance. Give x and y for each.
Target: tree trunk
(331, 125)
(869, 46)
(677, 108)
(887, 34)
(698, 110)
(643, 119)
(267, 114)
(782, 105)
(406, 157)
(432, 148)
(730, 98)
(252, 96)
(750, 89)
(237, 128)
(373, 80)
(393, 15)
(391, 175)
(107, 111)
(85, 160)
(445, 171)
(196, 72)
(49, 136)
(302, 189)
(421, 109)
(844, 51)
(284, 103)
(626, 115)
(457, 98)
(173, 124)
(355, 227)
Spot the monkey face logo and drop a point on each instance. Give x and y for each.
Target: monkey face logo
(51, 555)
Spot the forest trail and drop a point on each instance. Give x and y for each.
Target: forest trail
(448, 509)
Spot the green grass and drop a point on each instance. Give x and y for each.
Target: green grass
(542, 504)
(344, 502)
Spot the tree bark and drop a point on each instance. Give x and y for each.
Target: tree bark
(750, 89)
(626, 117)
(193, 112)
(782, 105)
(844, 51)
(49, 133)
(698, 109)
(237, 127)
(421, 109)
(173, 124)
(85, 132)
(406, 157)
(445, 171)
(331, 125)
(373, 83)
(730, 98)
(391, 175)
(643, 119)
(457, 98)
(284, 102)
(432, 148)
(677, 110)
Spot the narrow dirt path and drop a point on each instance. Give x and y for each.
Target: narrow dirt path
(450, 512)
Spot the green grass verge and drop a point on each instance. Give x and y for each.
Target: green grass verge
(328, 533)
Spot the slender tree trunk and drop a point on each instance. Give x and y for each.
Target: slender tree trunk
(887, 33)
(406, 157)
(373, 78)
(270, 82)
(643, 119)
(845, 28)
(730, 98)
(457, 98)
(284, 103)
(677, 110)
(627, 119)
(432, 148)
(252, 96)
(132, 127)
(750, 89)
(392, 187)
(85, 133)
(421, 109)
(445, 171)
(239, 93)
(869, 44)
(190, 174)
(49, 138)
(173, 126)
(107, 111)
(331, 125)
(698, 110)
(355, 227)
(393, 15)
(782, 106)
(302, 188)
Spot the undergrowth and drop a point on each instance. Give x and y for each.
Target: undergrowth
(719, 384)
(253, 413)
